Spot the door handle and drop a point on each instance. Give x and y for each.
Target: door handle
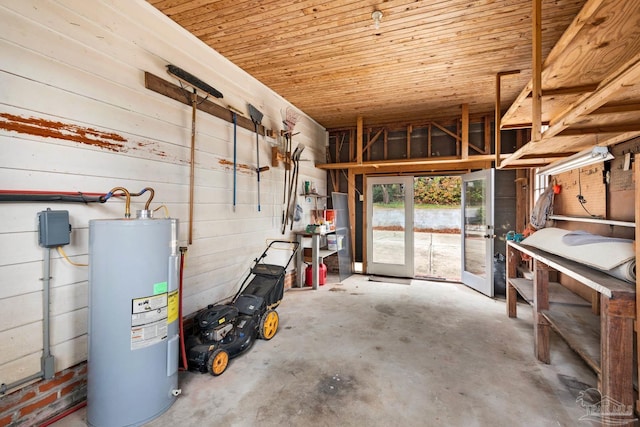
(489, 236)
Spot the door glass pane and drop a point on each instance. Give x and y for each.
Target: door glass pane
(475, 248)
(388, 223)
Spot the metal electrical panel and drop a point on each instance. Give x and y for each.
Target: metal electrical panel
(53, 228)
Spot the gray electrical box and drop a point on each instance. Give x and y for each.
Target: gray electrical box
(53, 228)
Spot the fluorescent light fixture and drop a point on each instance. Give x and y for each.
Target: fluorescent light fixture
(582, 159)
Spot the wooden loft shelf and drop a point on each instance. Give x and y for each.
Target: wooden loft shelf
(590, 84)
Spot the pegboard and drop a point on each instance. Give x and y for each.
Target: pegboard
(587, 181)
(623, 180)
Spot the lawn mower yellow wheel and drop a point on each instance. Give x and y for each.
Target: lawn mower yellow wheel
(269, 325)
(218, 362)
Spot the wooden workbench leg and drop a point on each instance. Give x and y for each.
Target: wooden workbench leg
(512, 294)
(541, 326)
(616, 367)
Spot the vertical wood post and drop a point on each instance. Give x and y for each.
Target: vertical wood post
(409, 131)
(359, 141)
(616, 365)
(536, 92)
(498, 118)
(429, 140)
(498, 114)
(386, 145)
(465, 132)
(487, 135)
(364, 224)
(540, 303)
(351, 195)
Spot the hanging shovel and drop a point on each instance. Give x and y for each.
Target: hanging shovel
(256, 118)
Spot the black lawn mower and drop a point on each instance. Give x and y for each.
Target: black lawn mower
(224, 331)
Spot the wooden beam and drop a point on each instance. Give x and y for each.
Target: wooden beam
(487, 135)
(629, 127)
(616, 357)
(450, 163)
(496, 142)
(409, 131)
(364, 224)
(519, 125)
(536, 89)
(163, 87)
(573, 90)
(617, 108)
(351, 195)
(465, 132)
(447, 131)
(334, 180)
(626, 75)
(541, 326)
(429, 153)
(371, 142)
(498, 114)
(386, 145)
(359, 140)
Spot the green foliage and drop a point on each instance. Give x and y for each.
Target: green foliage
(438, 190)
(433, 191)
(388, 194)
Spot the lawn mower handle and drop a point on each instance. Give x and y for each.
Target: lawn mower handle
(264, 254)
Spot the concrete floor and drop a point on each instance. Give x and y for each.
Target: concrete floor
(364, 353)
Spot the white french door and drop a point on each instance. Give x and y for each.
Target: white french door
(478, 231)
(390, 226)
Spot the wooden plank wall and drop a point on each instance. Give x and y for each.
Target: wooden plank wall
(75, 116)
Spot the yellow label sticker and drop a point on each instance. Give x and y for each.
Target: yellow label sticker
(173, 307)
(221, 321)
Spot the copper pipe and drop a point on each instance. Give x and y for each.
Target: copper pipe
(150, 190)
(127, 208)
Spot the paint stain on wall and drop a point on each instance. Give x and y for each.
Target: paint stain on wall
(66, 131)
(241, 167)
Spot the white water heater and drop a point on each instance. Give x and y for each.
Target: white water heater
(133, 320)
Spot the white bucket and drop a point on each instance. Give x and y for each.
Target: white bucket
(332, 242)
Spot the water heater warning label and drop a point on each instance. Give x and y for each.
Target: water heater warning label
(148, 321)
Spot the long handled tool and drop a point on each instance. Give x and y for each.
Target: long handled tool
(256, 118)
(285, 187)
(235, 142)
(195, 83)
(289, 120)
(293, 188)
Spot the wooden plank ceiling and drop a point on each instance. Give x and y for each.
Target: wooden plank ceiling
(426, 59)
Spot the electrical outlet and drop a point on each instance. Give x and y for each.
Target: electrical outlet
(362, 197)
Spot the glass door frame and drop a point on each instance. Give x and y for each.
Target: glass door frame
(387, 269)
(482, 283)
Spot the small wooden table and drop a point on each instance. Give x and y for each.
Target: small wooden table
(606, 346)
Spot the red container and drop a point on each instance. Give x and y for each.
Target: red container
(322, 273)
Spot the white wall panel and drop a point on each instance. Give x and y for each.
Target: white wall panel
(20, 310)
(21, 368)
(20, 341)
(80, 66)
